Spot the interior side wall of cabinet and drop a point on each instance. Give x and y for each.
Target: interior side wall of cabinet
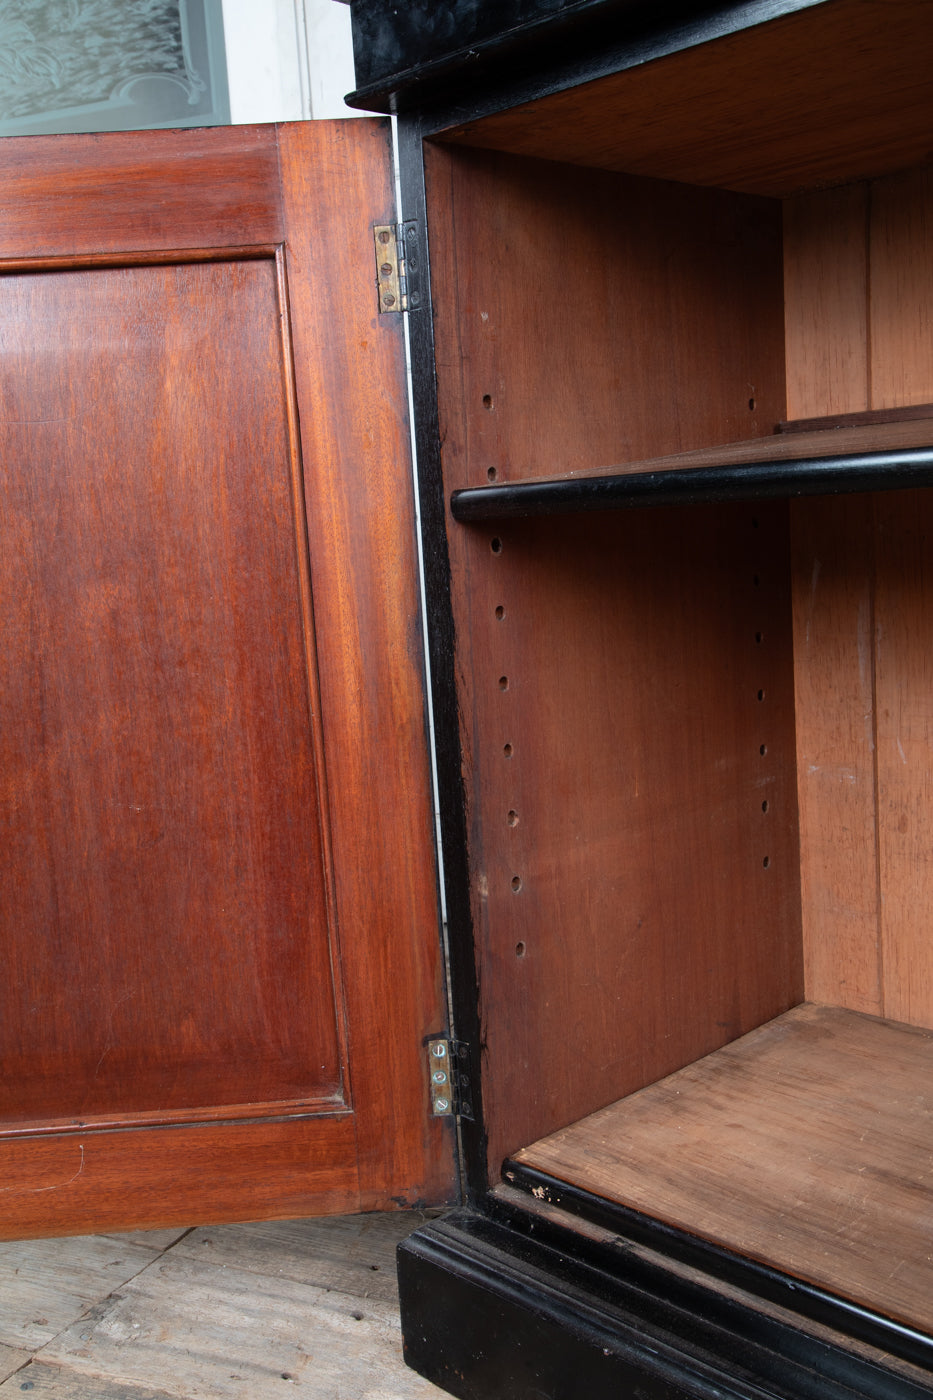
(859, 314)
(626, 679)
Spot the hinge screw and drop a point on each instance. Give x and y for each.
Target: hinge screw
(439, 1051)
(384, 236)
(388, 299)
(442, 1105)
(439, 1077)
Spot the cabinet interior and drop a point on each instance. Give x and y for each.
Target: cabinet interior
(696, 739)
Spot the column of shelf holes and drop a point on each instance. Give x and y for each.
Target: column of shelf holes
(511, 816)
(760, 643)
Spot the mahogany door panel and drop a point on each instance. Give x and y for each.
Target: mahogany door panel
(211, 696)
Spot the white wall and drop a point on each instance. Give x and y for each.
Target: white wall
(288, 59)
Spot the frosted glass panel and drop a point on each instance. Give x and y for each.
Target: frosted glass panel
(111, 65)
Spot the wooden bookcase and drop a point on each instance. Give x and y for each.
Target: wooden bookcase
(683, 345)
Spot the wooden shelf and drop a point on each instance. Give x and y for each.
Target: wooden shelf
(805, 1145)
(879, 457)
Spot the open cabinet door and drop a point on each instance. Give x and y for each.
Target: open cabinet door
(217, 893)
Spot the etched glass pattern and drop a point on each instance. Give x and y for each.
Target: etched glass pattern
(103, 65)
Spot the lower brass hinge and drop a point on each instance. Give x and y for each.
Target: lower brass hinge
(449, 1075)
(398, 266)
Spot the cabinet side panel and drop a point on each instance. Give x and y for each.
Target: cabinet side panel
(610, 669)
(586, 319)
(632, 794)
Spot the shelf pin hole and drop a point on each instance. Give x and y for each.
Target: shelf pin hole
(766, 862)
(513, 818)
(519, 950)
(487, 402)
(491, 473)
(500, 612)
(764, 805)
(507, 750)
(495, 544)
(516, 883)
(503, 682)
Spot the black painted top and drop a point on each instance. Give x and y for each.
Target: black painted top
(412, 54)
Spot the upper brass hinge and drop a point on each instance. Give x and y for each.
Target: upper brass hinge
(398, 266)
(449, 1077)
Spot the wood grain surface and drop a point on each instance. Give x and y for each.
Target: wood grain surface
(210, 602)
(831, 94)
(605, 330)
(808, 1145)
(234, 1311)
(630, 775)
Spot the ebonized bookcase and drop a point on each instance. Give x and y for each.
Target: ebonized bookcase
(673, 371)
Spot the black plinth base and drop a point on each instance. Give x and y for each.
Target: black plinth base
(502, 1306)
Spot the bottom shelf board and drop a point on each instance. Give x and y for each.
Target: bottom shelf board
(806, 1145)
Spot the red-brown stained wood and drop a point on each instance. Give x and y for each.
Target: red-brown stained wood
(904, 617)
(858, 302)
(605, 328)
(834, 664)
(830, 94)
(626, 918)
(213, 689)
(78, 1183)
(364, 570)
(826, 302)
(630, 775)
(901, 294)
(165, 904)
(115, 192)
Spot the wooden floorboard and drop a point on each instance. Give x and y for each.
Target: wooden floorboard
(353, 1254)
(46, 1284)
(241, 1312)
(807, 1144)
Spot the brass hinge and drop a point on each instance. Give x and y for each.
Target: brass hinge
(398, 265)
(449, 1076)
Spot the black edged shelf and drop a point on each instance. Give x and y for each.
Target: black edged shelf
(822, 463)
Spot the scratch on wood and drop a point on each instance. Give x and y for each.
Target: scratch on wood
(39, 1190)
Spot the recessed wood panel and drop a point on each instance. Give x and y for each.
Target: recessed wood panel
(162, 848)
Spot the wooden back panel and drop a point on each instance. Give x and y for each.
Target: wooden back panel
(625, 681)
(859, 298)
